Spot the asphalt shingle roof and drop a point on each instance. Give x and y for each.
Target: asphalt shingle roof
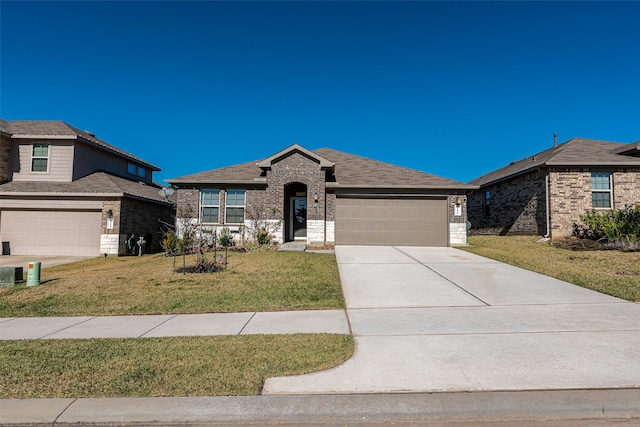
(97, 183)
(350, 171)
(43, 128)
(575, 152)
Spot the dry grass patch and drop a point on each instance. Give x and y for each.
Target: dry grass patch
(194, 366)
(253, 281)
(611, 272)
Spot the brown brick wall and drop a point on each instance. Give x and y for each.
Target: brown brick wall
(453, 218)
(297, 168)
(143, 219)
(113, 205)
(517, 206)
(5, 155)
(570, 191)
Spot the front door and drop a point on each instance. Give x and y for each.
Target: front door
(298, 218)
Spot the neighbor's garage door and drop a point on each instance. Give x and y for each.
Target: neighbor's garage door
(51, 232)
(410, 222)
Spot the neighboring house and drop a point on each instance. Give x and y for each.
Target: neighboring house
(65, 192)
(328, 196)
(546, 193)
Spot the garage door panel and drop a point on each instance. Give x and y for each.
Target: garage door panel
(52, 232)
(383, 221)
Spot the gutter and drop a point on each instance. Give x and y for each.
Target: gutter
(548, 197)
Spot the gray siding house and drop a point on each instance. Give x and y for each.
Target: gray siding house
(65, 192)
(546, 193)
(328, 196)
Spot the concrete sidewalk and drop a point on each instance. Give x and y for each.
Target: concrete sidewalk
(443, 320)
(278, 322)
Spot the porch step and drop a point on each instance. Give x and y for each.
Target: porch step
(293, 247)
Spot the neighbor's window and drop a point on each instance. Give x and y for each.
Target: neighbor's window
(131, 168)
(142, 172)
(487, 208)
(40, 158)
(601, 189)
(234, 202)
(209, 205)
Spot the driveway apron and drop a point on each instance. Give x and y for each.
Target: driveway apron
(428, 319)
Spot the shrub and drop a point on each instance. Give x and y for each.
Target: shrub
(618, 226)
(225, 239)
(263, 237)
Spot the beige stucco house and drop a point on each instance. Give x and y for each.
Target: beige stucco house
(546, 193)
(65, 192)
(328, 196)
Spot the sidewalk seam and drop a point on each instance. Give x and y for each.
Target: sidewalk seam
(68, 327)
(248, 321)
(157, 326)
(63, 411)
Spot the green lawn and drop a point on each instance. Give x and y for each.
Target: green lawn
(611, 272)
(253, 281)
(194, 366)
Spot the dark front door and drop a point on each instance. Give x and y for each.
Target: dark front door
(298, 218)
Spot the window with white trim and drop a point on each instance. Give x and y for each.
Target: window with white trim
(209, 206)
(40, 158)
(601, 189)
(234, 207)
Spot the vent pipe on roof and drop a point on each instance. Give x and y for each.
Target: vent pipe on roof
(555, 139)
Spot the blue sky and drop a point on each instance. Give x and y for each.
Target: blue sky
(456, 89)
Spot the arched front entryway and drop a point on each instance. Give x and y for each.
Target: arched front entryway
(295, 211)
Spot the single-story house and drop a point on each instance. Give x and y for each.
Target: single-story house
(545, 194)
(327, 196)
(65, 192)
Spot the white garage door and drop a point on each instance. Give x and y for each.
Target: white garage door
(51, 232)
(396, 222)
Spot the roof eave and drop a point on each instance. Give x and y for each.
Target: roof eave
(203, 181)
(453, 187)
(610, 164)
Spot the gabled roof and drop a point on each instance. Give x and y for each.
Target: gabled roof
(56, 129)
(575, 152)
(295, 148)
(100, 184)
(349, 171)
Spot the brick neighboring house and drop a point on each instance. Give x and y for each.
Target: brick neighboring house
(65, 192)
(546, 193)
(328, 196)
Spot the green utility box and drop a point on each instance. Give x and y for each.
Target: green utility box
(9, 276)
(33, 273)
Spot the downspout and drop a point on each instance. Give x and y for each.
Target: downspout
(548, 197)
(324, 243)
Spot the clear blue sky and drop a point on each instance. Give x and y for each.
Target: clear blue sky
(456, 89)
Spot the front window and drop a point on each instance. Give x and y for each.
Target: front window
(601, 189)
(40, 158)
(234, 207)
(209, 206)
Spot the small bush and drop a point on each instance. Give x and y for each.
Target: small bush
(263, 237)
(225, 239)
(620, 227)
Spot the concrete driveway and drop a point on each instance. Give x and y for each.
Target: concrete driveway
(440, 319)
(45, 261)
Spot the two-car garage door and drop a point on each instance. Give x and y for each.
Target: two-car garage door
(392, 221)
(51, 232)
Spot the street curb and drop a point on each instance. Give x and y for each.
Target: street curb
(490, 406)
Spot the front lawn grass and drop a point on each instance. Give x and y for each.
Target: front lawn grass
(611, 272)
(253, 281)
(151, 367)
